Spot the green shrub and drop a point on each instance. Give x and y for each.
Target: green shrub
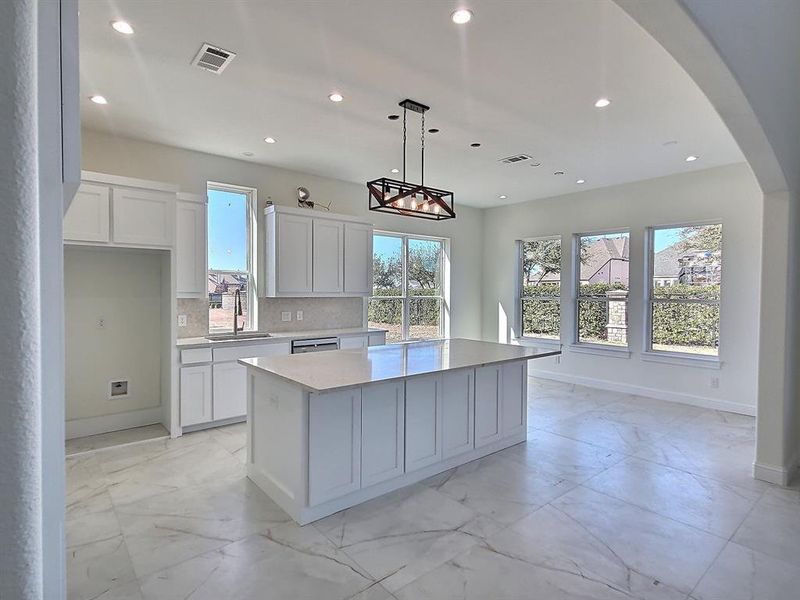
(391, 311)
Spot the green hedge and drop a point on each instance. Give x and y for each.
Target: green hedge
(391, 311)
(673, 324)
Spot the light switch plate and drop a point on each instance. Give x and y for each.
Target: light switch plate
(182, 320)
(286, 315)
(299, 315)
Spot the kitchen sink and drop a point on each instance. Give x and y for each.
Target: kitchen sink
(242, 335)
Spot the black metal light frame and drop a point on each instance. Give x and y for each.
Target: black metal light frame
(411, 199)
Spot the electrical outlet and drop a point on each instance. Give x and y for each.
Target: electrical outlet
(299, 315)
(101, 323)
(182, 320)
(286, 315)
(714, 382)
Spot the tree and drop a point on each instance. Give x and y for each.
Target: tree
(386, 271)
(423, 264)
(543, 257)
(701, 237)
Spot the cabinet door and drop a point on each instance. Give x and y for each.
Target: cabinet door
(488, 426)
(357, 258)
(293, 260)
(353, 341)
(423, 422)
(514, 410)
(334, 445)
(190, 248)
(195, 395)
(142, 217)
(328, 256)
(382, 432)
(230, 390)
(458, 395)
(87, 219)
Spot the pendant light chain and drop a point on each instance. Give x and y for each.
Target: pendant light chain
(422, 163)
(404, 144)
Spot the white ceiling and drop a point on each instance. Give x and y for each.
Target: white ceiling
(522, 77)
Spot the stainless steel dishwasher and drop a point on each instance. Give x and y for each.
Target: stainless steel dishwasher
(315, 345)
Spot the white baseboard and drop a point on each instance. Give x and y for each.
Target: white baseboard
(782, 476)
(77, 428)
(659, 394)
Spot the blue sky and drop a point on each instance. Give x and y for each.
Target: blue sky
(227, 231)
(665, 237)
(385, 246)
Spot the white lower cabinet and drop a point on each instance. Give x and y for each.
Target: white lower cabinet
(334, 445)
(488, 426)
(195, 395)
(382, 432)
(423, 421)
(514, 409)
(458, 406)
(230, 390)
(353, 342)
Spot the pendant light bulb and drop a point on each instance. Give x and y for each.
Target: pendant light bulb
(437, 209)
(414, 204)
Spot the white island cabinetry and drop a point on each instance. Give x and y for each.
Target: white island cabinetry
(330, 430)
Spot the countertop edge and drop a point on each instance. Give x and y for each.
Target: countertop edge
(313, 390)
(200, 342)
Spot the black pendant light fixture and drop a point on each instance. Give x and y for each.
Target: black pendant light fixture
(411, 199)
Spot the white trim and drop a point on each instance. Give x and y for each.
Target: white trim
(601, 350)
(95, 177)
(658, 394)
(76, 428)
(782, 476)
(700, 361)
(536, 341)
(316, 214)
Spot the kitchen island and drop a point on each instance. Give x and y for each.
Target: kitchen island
(329, 430)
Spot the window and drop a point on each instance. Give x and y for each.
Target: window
(230, 259)
(602, 261)
(540, 288)
(685, 265)
(407, 296)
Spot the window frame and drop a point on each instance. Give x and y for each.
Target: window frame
(595, 347)
(649, 300)
(251, 323)
(405, 298)
(519, 297)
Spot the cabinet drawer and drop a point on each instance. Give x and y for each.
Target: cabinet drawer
(236, 352)
(192, 356)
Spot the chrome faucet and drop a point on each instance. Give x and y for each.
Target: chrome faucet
(237, 312)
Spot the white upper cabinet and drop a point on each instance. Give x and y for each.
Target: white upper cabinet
(87, 219)
(328, 243)
(312, 253)
(358, 258)
(191, 213)
(142, 217)
(115, 210)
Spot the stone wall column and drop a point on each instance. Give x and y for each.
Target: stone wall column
(617, 327)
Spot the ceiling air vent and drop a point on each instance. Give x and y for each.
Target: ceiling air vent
(213, 59)
(517, 158)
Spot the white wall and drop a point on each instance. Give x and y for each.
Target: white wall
(124, 288)
(191, 170)
(728, 194)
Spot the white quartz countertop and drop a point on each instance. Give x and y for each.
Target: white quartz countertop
(338, 369)
(284, 336)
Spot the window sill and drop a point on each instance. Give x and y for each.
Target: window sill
(701, 362)
(540, 342)
(610, 351)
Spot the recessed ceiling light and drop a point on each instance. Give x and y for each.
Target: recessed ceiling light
(602, 103)
(580, 181)
(461, 16)
(691, 158)
(395, 170)
(503, 196)
(122, 27)
(475, 145)
(97, 99)
(335, 97)
(270, 140)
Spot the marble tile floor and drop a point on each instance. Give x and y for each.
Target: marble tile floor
(115, 438)
(611, 497)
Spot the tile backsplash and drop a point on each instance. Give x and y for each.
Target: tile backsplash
(318, 313)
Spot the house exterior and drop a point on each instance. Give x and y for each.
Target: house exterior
(672, 266)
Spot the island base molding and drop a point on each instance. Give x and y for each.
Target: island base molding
(307, 515)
